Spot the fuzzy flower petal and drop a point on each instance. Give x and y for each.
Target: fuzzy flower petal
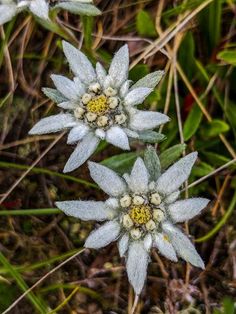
(104, 235)
(123, 244)
(87, 210)
(117, 137)
(183, 210)
(120, 66)
(101, 73)
(164, 247)
(107, 179)
(82, 152)
(138, 181)
(65, 86)
(79, 63)
(175, 176)
(150, 80)
(7, 12)
(145, 120)
(137, 96)
(53, 124)
(77, 133)
(39, 8)
(136, 265)
(183, 245)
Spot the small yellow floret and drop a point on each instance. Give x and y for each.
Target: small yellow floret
(98, 105)
(140, 214)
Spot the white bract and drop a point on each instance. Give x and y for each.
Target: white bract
(99, 105)
(140, 215)
(40, 8)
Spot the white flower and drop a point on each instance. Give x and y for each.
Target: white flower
(141, 214)
(40, 8)
(100, 105)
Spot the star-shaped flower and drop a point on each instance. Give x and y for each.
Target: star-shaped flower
(40, 8)
(141, 214)
(99, 105)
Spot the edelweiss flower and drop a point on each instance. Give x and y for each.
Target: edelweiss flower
(141, 214)
(100, 105)
(40, 8)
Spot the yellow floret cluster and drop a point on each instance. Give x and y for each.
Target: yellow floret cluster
(140, 214)
(98, 105)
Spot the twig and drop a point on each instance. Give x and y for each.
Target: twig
(135, 304)
(210, 174)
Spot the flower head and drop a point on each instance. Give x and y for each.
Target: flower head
(99, 105)
(141, 214)
(40, 8)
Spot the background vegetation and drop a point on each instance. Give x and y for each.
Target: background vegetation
(194, 41)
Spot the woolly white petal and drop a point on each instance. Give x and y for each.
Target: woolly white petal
(120, 66)
(7, 11)
(136, 265)
(145, 120)
(108, 82)
(131, 133)
(112, 202)
(82, 152)
(164, 247)
(65, 86)
(150, 80)
(77, 133)
(79, 63)
(117, 137)
(147, 242)
(183, 210)
(175, 176)
(104, 235)
(40, 8)
(123, 244)
(171, 198)
(68, 105)
(137, 96)
(79, 86)
(107, 179)
(87, 210)
(53, 124)
(101, 73)
(183, 245)
(124, 88)
(139, 177)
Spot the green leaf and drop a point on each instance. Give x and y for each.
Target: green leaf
(230, 112)
(215, 127)
(8, 295)
(79, 8)
(202, 169)
(88, 29)
(152, 163)
(215, 12)
(228, 56)
(186, 54)
(192, 122)
(170, 155)
(121, 163)
(151, 137)
(228, 305)
(216, 159)
(54, 95)
(138, 72)
(145, 25)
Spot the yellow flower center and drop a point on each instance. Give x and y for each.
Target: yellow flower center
(140, 214)
(98, 105)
